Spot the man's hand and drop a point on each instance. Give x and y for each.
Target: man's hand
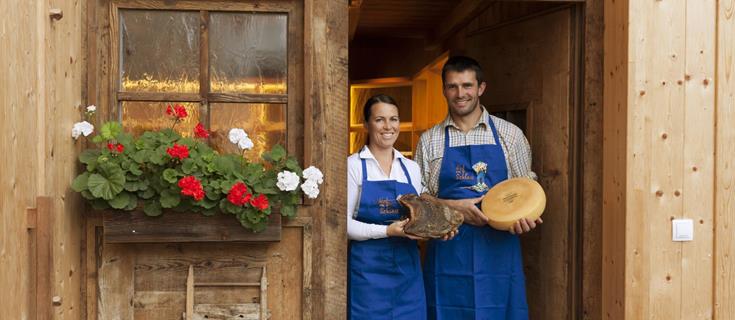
(524, 225)
(472, 214)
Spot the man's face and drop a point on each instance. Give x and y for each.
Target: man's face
(462, 92)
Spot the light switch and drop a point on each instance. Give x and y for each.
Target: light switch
(682, 229)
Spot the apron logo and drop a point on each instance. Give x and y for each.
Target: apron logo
(480, 169)
(386, 206)
(461, 174)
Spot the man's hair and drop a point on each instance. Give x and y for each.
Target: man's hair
(461, 64)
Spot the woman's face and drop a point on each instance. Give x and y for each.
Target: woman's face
(383, 125)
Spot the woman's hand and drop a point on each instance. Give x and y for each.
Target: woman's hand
(395, 229)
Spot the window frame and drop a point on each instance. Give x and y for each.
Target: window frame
(204, 97)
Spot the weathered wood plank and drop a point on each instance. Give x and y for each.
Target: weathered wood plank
(261, 6)
(136, 227)
(591, 187)
(614, 149)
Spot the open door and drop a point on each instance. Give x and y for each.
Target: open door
(529, 69)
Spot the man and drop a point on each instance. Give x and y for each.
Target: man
(478, 274)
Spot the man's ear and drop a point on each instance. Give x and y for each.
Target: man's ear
(481, 89)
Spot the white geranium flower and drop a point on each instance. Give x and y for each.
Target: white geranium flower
(245, 143)
(237, 134)
(310, 188)
(91, 108)
(313, 173)
(287, 180)
(81, 128)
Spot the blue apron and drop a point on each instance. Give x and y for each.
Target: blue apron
(385, 279)
(479, 273)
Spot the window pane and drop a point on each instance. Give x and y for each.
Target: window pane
(146, 116)
(159, 51)
(265, 124)
(247, 52)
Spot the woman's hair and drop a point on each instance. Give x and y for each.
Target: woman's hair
(367, 109)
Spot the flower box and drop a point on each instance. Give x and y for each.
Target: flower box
(177, 227)
(144, 183)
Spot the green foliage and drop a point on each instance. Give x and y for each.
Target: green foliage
(145, 176)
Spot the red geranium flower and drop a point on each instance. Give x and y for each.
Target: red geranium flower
(119, 148)
(179, 111)
(239, 194)
(192, 187)
(260, 202)
(178, 151)
(200, 132)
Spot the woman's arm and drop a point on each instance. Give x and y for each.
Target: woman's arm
(357, 230)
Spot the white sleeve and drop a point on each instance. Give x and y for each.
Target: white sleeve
(357, 230)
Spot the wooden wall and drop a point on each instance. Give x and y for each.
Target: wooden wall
(668, 154)
(41, 92)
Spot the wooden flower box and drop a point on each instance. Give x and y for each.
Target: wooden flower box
(176, 227)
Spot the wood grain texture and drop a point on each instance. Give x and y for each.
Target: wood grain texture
(724, 80)
(697, 263)
(615, 139)
(136, 227)
(591, 180)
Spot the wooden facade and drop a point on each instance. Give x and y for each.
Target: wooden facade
(649, 107)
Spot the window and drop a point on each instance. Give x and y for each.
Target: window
(228, 64)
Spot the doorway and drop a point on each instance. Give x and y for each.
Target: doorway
(531, 54)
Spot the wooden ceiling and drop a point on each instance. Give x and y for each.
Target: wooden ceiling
(398, 18)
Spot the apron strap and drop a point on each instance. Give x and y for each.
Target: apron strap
(495, 131)
(364, 169)
(405, 171)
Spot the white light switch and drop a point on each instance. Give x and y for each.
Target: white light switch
(682, 230)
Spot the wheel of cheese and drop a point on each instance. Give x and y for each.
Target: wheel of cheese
(513, 199)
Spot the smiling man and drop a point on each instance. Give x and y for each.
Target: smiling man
(479, 273)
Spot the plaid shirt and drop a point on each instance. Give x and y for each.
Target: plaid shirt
(430, 149)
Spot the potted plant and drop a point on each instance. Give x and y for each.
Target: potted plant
(161, 171)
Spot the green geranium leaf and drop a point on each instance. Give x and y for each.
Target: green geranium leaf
(207, 203)
(277, 153)
(223, 165)
(293, 165)
(87, 195)
(125, 139)
(110, 130)
(288, 211)
(108, 183)
(89, 156)
(80, 182)
(169, 199)
(132, 204)
(141, 156)
(170, 175)
(188, 166)
(120, 201)
(135, 169)
(152, 208)
(99, 204)
(147, 194)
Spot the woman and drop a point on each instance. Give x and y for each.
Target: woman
(385, 279)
